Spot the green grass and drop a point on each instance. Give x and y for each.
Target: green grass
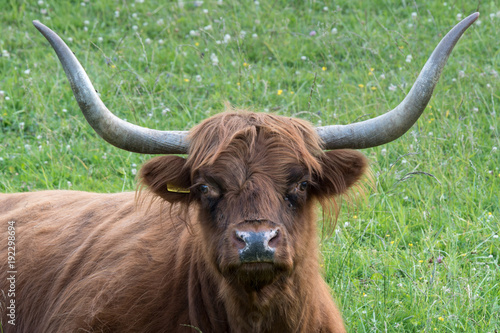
(436, 188)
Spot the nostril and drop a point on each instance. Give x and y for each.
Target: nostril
(238, 240)
(274, 238)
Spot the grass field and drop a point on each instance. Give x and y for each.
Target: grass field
(419, 254)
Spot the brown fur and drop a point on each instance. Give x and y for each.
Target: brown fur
(99, 263)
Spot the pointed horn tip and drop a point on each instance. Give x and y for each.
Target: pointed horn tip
(40, 26)
(470, 19)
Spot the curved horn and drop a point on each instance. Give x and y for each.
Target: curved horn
(118, 132)
(393, 124)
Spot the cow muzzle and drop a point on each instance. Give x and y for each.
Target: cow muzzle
(256, 242)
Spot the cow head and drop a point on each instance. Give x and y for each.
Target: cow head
(254, 178)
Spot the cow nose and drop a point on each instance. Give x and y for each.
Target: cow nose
(257, 246)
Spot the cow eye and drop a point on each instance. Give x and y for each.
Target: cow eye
(302, 186)
(204, 189)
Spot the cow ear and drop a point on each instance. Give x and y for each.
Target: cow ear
(167, 177)
(341, 170)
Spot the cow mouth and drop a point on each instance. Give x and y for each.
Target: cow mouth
(255, 275)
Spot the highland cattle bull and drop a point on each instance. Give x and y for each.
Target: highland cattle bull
(227, 241)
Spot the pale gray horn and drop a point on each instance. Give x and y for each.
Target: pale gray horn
(118, 132)
(393, 124)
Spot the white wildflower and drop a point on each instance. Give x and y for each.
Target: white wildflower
(214, 59)
(392, 87)
(198, 78)
(334, 31)
(414, 15)
(160, 22)
(408, 58)
(227, 38)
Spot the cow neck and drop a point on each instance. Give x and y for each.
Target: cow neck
(206, 309)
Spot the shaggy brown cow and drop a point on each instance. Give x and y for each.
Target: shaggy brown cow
(229, 244)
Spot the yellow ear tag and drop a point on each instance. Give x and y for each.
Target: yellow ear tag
(172, 188)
